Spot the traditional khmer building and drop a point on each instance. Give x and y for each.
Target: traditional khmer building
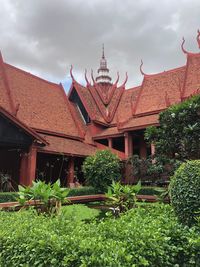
(46, 134)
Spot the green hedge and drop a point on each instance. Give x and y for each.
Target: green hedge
(81, 191)
(148, 236)
(147, 190)
(8, 196)
(185, 192)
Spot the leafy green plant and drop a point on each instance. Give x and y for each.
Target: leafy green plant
(8, 197)
(154, 170)
(179, 133)
(101, 169)
(48, 198)
(122, 197)
(145, 236)
(185, 191)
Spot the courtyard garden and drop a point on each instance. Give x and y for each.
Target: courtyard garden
(121, 231)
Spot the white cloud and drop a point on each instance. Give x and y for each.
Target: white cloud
(46, 37)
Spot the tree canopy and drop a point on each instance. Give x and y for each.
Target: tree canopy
(178, 135)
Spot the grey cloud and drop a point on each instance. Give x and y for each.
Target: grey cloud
(46, 36)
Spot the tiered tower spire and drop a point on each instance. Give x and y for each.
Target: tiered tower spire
(103, 72)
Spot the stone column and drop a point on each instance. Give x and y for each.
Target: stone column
(128, 144)
(143, 148)
(23, 169)
(110, 142)
(70, 177)
(28, 166)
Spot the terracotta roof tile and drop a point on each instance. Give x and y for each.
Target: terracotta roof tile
(124, 109)
(108, 132)
(42, 104)
(140, 122)
(160, 90)
(192, 82)
(88, 102)
(67, 146)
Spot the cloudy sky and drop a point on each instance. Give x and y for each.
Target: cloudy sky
(45, 37)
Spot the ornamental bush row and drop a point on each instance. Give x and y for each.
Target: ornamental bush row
(146, 236)
(79, 191)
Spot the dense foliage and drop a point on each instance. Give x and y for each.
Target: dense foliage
(122, 197)
(148, 236)
(50, 196)
(101, 169)
(185, 191)
(152, 170)
(8, 197)
(179, 131)
(79, 191)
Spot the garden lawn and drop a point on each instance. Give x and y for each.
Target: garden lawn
(146, 236)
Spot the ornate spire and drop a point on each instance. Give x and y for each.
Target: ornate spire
(103, 71)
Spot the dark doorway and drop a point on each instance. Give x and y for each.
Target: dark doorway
(9, 168)
(50, 168)
(118, 143)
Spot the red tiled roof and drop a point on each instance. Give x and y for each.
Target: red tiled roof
(22, 126)
(88, 101)
(192, 80)
(124, 109)
(59, 145)
(42, 104)
(108, 132)
(158, 91)
(135, 123)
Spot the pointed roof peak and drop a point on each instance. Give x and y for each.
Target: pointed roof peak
(103, 55)
(103, 71)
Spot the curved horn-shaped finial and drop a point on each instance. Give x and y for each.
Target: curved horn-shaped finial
(182, 46)
(72, 76)
(86, 79)
(117, 80)
(126, 79)
(198, 38)
(92, 76)
(142, 72)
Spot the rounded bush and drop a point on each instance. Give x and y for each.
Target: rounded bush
(185, 192)
(101, 169)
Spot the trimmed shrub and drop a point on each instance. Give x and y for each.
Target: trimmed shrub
(148, 236)
(185, 191)
(151, 190)
(8, 197)
(101, 169)
(81, 191)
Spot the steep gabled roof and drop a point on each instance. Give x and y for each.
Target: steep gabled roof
(124, 109)
(88, 101)
(192, 80)
(40, 104)
(59, 145)
(142, 122)
(158, 91)
(35, 136)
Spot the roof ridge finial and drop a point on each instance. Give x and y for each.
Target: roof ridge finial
(198, 38)
(86, 79)
(141, 70)
(182, 46)
(71, 74)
